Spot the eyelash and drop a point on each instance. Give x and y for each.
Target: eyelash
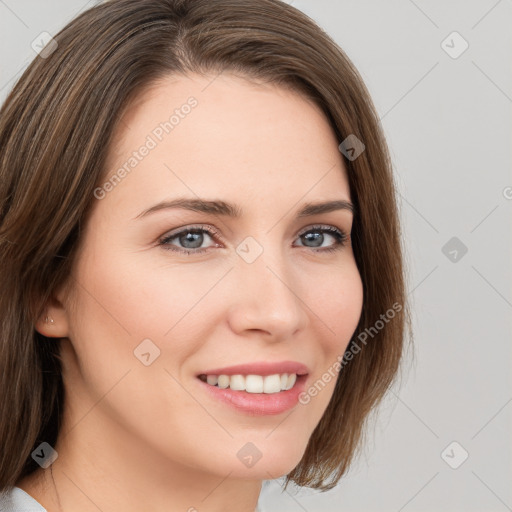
(341, 239)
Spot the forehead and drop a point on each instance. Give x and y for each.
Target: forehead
(226, 136)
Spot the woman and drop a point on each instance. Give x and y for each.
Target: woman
(202, 271)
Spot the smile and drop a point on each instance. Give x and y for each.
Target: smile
(252, 383)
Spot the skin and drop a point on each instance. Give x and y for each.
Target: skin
(139, 437)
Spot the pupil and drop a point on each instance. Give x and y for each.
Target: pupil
(317, 238)
(196, 240)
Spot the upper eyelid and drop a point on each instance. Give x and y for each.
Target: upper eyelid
(209, 229)
(320, 226)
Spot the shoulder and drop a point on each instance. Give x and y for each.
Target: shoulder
(17, 500)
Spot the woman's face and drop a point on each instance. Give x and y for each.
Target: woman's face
(269, 285)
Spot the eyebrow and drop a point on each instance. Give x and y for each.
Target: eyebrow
(218, 207)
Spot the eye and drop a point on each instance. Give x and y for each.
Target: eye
(192, 238)
(317, 235)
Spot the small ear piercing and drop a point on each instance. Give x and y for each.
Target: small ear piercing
(49, 320)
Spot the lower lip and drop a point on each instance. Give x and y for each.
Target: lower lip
(259, 404)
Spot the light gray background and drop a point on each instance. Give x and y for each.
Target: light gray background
(448, 125)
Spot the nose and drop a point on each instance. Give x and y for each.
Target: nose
(266, 299)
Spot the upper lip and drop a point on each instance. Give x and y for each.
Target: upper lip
(260, 368)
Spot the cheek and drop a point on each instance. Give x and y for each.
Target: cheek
(337, 312)
(141, 297)
(339, 306)
(123, 304)
(117, 307)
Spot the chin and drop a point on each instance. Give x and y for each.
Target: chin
(273, 463)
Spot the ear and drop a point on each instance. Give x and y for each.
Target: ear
(54, 322)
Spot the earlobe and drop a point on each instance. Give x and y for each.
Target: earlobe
(53, 323)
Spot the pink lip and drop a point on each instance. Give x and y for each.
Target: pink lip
(257, 404)
(261, 368)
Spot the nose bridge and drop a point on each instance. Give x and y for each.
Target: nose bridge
(267, 297)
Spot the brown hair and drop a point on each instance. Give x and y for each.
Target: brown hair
(56, 127)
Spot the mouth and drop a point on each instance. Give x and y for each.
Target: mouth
(257, 388)
(252, 383)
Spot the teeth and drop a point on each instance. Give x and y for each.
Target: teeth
(236, 382)
(291, 380)
(212, 379)
(253, 383)
(223, 381)
(271, 384)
